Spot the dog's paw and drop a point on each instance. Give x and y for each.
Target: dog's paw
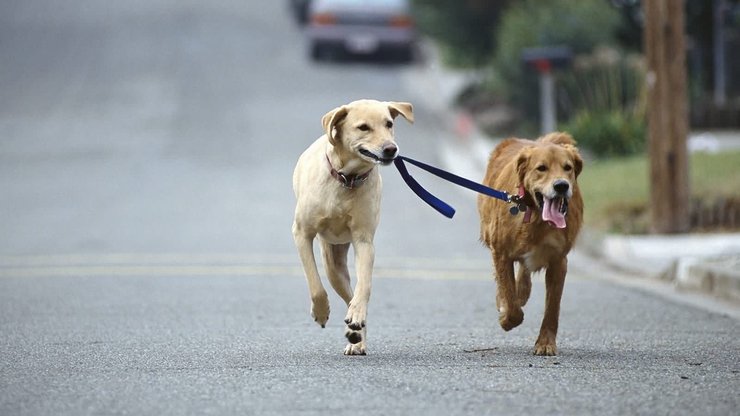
(511, 319)
(320, 309)
(355, 318)
(355, 349)
(545, 349)
(545, 345)
(354, 337)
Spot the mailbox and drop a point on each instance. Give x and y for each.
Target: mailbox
(546, 59)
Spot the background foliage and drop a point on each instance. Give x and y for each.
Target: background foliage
(464, 29)
(604, 100)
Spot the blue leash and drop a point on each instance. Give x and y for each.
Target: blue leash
(436, 203)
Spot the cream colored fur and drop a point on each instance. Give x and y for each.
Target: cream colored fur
(358, 137)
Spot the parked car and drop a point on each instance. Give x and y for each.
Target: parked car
(300, 10)
(361, 27)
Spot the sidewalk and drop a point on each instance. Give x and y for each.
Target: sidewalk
(703, 263)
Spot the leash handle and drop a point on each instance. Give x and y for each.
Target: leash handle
(432, 200)
(436, 203)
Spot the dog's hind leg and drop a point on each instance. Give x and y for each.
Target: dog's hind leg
(335, 263)
(523, 285)
(554, 282)
(319, 298)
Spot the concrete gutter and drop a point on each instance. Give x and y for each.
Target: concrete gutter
(705, 263)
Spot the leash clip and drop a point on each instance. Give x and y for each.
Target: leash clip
(518, 207)
(513, 199)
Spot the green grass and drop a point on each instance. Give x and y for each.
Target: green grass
(615, 191)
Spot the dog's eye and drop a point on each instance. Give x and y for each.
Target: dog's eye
(389, 124)
(363, 127)
(542, 168)
(568, 168)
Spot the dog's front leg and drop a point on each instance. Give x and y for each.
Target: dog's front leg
(357, 311)
(510, 311)
(319, 298)
(554, 282)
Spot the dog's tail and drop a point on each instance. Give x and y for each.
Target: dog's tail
(558, 137)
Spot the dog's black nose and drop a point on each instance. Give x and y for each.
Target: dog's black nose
(561, 186)
(389, 151)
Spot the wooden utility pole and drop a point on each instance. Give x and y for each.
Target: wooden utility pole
(667, 112)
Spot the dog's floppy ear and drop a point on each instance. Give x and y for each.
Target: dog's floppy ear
(404, 109)
(576, 159)
(522, 161)
(330, 120)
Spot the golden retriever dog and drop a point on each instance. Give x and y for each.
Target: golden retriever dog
(338, 188)
(545, 174)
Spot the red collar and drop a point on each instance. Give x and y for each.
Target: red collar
(522, 203)
(348, 181)
(523, 195)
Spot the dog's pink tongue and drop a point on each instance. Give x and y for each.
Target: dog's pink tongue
(551, 212)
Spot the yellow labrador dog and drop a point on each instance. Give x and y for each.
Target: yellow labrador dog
(338, 187)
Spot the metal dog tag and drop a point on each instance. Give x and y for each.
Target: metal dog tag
(514, 210)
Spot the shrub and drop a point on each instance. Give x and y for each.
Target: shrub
(603, 97)
(608, 133)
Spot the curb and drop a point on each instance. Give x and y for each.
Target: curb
(701, 263)
(718, 277)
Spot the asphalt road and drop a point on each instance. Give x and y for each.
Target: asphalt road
(147, 266)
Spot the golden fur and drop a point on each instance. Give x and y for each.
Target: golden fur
(543, 167)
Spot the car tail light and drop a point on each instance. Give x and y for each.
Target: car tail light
(323, 19)
(401, 21)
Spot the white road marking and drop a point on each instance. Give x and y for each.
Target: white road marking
(174, 264)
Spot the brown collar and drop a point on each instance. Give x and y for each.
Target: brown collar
(348, 181)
